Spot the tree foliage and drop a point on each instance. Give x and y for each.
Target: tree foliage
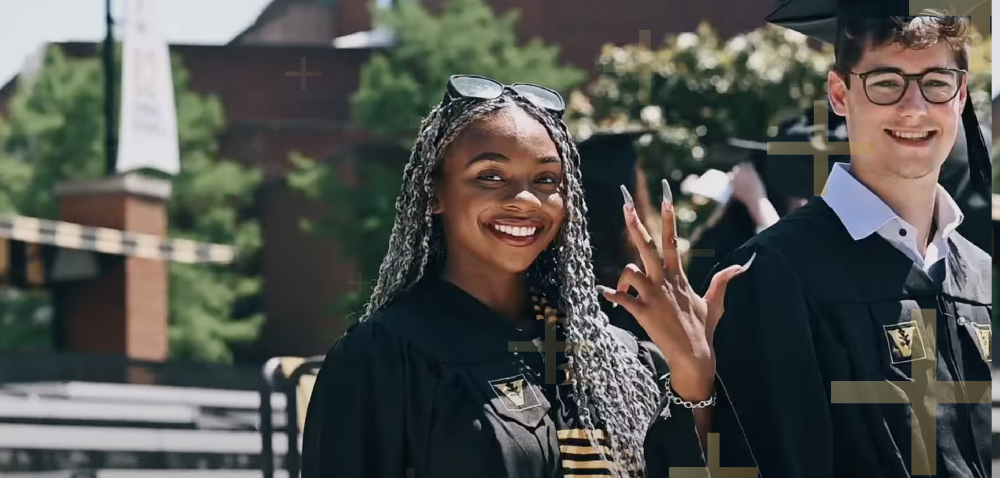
(396, 90)
(55, 133)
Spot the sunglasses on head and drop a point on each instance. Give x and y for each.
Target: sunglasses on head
(474, 86)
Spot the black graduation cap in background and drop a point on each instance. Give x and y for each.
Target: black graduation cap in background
(608, 160)
(824, 20)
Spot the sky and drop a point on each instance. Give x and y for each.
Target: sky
(25, 25)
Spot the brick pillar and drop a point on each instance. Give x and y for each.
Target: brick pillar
(124, 310)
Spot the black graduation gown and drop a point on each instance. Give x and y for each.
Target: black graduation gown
(734, 228)
(413, 388)
(817, 307)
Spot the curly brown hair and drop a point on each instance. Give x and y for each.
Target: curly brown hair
(861, 31)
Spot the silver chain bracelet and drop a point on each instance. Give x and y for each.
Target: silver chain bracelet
(679, 401)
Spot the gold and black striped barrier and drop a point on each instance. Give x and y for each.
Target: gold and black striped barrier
(30, 248)
(112, 241)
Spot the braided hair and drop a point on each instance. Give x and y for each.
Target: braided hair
(610, 381)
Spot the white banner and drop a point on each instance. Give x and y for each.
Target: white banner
(148, 128)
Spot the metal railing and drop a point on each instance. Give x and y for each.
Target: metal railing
(285, 375)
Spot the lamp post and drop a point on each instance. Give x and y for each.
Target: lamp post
(110, 140)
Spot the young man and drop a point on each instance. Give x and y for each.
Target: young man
(859, 343)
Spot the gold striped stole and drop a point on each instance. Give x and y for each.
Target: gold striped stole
(579, 457)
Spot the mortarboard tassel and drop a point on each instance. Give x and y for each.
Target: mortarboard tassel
(980, 164)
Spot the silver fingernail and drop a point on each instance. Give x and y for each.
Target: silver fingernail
(628, 198)
(747, 265)
(668, 197)
(604, 289)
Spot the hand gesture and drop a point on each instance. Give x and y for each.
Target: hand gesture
(679, 322)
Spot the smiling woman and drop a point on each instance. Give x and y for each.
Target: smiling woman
(507, 194)
(490, 258)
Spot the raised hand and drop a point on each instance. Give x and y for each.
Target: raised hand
(748, 187)
(680, 323)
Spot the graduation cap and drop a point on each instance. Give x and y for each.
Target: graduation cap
(826, 20)
(608, 160)
(819, 19)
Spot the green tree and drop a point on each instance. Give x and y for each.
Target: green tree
(467, 37)
(55, 133)
(396, 90)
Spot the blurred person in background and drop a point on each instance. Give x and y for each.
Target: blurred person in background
(764, 189)
(490, 249)
(608, 161)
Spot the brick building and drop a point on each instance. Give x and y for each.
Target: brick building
(269, 116)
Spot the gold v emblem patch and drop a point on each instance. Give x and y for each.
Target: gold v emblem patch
(515, 393)
(984, 332)
(905, 342)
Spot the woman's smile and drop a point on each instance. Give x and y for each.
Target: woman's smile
(516, 232)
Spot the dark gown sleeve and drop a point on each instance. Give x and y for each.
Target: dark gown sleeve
(733, 229)
(700, 266)
(355, 424)
(775, 395)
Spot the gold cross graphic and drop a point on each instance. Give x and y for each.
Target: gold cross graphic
(701, 253)
(925, 389)
(303, 73)
(714, 469)
(550, 346)
(819, 148)
(357, 283)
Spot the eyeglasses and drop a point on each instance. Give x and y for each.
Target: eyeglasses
(474, 86)
(888, 87)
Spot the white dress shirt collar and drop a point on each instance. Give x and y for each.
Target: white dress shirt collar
(863, 213)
